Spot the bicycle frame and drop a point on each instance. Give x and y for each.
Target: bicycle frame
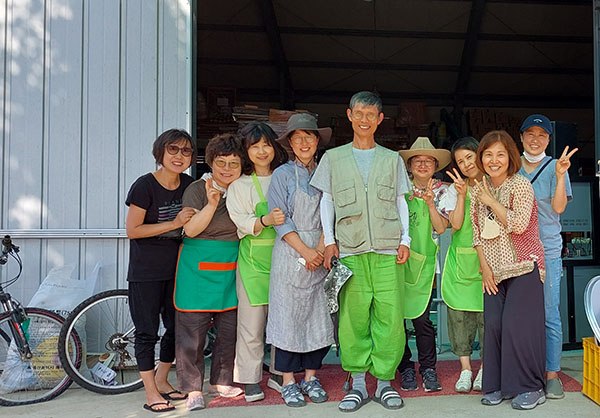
(17, 318)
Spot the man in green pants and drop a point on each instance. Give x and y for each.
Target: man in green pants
(365, 223)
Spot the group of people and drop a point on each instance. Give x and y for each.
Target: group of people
(260, 232)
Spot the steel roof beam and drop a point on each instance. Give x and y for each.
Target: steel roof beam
(380, 33)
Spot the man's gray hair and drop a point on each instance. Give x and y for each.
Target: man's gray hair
(366, 98)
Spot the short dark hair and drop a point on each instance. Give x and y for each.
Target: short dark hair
(366, 98)
(169, 137)
(253, 133)
(467, 142)
(514, 157)
(223, 145)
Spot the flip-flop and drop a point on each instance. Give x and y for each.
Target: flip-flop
(388, 393)
(152, 409)
(168, 396)
(355, 396)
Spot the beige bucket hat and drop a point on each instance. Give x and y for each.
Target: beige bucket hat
(423, 146)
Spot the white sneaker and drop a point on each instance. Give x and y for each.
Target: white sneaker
(463, 384)
(478, 379)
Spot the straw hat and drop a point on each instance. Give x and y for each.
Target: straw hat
(304, 122)
(422, 146)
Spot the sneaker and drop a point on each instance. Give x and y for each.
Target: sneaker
(194, 403)
(253, 392)
(409, 379)
(275, 382)
(292, 395)
(492, 398)
(314, 390)
(430, 381)
(226, 391)
(463, 384)
(478, 379)
(529, 400)
(554, 389)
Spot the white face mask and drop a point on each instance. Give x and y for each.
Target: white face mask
(534, 158)
(491, 229)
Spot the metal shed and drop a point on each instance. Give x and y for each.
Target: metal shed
(86, 87)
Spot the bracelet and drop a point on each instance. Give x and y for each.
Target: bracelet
(261, 221)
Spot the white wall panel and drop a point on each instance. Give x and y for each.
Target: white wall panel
(86, 86)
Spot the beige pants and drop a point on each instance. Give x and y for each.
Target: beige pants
(250, 347)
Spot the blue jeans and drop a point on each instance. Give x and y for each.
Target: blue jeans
(554, 335)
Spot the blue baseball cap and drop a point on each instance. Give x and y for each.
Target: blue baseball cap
(537, 120)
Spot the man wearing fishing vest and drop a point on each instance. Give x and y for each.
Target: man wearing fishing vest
(365, 223)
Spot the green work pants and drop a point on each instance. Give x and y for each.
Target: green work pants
(371, 316)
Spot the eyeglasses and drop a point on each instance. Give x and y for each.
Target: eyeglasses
(234, 165)
(309, 139)
(174, 149)
(426, 163)
(358, 115)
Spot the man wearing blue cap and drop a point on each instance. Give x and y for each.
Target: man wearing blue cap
(552, 188)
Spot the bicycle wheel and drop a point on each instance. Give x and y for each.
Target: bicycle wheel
(42, 377)
(106, 333)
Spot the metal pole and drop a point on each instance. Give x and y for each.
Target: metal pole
(597, 82)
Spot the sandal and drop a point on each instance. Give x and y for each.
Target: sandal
(387, 394)
(168, 396)
(356, 397)
(152, 407)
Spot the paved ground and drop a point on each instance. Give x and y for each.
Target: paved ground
(77, 403)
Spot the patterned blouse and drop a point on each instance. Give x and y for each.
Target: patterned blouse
(513, 252)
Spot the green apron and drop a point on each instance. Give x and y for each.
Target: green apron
(254, 260)
(461, 280)
(205, 277)
(420, 267)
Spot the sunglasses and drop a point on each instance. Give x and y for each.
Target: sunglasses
(222, 164)
(174, 149)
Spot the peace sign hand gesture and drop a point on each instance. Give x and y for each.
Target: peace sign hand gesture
(212, 194)
(459, 183)
(485, 195)
(428, 195)
(563, 163)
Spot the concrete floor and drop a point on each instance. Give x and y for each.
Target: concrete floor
(77, 403)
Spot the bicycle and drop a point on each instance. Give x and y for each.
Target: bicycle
(29, 368)
(107, 338)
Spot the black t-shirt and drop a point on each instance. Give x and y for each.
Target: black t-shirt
(155, 258)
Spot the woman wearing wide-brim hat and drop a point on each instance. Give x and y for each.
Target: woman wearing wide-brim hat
(299, 325)
(428, 219)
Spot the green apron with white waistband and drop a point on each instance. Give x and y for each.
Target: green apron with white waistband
(205, 278)
(254, 259)
(461, 280)
(420, 267)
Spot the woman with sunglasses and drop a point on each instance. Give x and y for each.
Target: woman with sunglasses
(506, 237)
(153, 224)
(299, 325)
(205, 281)
(461, 280)
(248, 207)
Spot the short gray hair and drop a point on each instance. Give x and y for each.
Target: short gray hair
(366, 98)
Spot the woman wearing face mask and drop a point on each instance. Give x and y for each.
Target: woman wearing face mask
(249, 211)
(506, 237)
(461, 280)
(299, 326)
(205, 281)
(550, 180)
(153, 225)
(428, 219)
